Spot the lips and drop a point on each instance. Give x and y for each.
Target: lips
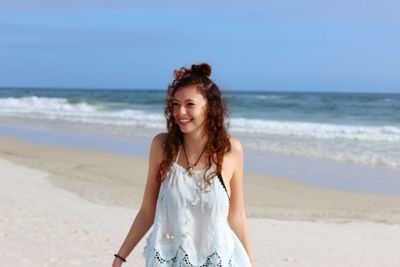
(184, 121)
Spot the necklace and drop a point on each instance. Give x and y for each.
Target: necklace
(190, 168)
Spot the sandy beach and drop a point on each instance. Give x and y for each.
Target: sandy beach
(73, 207)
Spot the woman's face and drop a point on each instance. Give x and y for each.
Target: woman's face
(189, 109)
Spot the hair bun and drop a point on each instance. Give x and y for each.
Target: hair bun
(202, 69)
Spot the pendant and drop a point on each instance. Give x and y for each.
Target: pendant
(190, 171)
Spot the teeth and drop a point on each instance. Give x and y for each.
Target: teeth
(184, 120)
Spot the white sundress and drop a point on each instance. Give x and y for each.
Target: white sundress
(191, 225)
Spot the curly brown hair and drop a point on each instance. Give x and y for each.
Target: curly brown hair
(216, 114)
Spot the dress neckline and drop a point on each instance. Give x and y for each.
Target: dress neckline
(195, 170)
(175, 162)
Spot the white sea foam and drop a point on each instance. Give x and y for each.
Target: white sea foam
(60, 109)
(365, 153)
(370, 145)
(317, 130)
(267, 97)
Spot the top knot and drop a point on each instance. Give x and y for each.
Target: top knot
(202, 69)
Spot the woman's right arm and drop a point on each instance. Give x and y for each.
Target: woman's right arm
(145, 217)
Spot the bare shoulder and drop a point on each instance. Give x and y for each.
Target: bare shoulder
(233, 160)
(156, 154)
(159, 139)
(236, 147)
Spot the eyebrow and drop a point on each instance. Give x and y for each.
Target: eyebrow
(187, 100)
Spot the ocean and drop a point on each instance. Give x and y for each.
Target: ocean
(356, 128)
(341, 141)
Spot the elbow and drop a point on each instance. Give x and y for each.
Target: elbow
(237, 218)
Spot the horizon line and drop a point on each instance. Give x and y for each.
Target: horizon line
(227, 90)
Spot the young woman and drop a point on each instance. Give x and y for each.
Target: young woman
(194, 192)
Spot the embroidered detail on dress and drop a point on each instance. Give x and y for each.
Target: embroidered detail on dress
(182, 258)
(183, 215)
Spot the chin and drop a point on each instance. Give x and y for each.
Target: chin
(186, 130)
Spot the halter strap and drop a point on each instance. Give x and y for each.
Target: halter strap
(177, 156)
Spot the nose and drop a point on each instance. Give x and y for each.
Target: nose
(181, 110)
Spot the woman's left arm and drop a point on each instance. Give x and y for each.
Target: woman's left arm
(237, 216)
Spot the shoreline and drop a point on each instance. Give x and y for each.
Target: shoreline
(314, 172)
(119, 180)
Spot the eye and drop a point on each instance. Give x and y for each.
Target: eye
(190, 104)
(175, 104)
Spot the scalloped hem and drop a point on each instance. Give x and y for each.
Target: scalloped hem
(181, 259)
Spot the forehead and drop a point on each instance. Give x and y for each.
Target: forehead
(188, 92)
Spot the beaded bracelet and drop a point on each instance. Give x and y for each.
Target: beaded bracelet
(119, 257)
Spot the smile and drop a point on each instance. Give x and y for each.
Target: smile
(185, 120)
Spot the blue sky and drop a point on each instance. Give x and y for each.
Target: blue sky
(252, 45)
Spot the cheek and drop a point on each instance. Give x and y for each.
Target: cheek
(175, 111)
(202, 115)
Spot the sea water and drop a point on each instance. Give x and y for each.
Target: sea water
(357, 129)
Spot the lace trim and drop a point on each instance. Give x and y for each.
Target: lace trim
(181, 259)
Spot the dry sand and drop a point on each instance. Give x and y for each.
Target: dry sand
(73, 207)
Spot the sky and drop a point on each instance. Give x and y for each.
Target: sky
(323, 46)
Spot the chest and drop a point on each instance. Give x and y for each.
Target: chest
(179, 191)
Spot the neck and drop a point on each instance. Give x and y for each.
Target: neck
(194, 142)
